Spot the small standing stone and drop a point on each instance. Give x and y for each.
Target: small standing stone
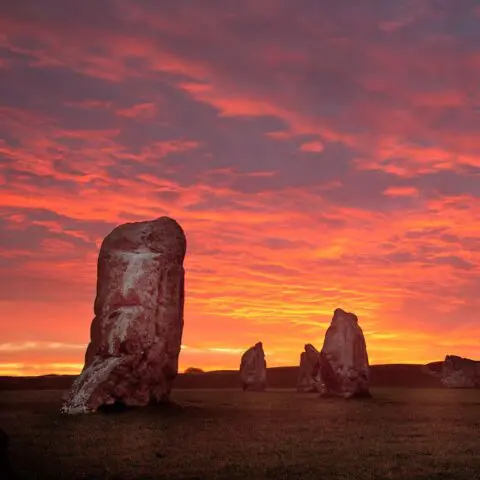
(253, 368)
(309, 379)
(459, 372)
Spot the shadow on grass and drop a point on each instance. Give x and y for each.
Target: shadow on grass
(167, 410)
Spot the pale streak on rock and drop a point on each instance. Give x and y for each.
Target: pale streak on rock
(137, 266)
(135, 337)
(125, 321)
(253, 368)
(84, 386)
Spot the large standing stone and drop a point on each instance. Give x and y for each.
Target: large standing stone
(344, 368)
(253, 368)
(458, 372)
(136, 334)
(309, 379)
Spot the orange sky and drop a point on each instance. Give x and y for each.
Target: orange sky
(315, 157)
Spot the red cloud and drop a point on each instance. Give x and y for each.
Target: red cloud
(315, 146)
(142, 111)
(401, 191)
(270, 263)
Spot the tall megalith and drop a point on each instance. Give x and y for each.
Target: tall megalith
(344, 368)
(135, 336)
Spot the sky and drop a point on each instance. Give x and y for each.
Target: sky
(317, 154)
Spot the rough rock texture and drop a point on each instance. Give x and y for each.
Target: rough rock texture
(309, 379)
(458, 372)
(433, 368)
(253, 368)
(136, 334)
(344, 359)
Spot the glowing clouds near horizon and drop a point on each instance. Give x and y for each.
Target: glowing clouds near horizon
(304, 182)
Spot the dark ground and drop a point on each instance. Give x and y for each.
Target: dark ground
(400, 433)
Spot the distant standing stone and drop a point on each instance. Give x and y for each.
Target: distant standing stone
(459, 372)
(344, 368)
(253, 368)
(309, 379)
(136, 334)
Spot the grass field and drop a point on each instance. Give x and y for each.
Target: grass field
(208, 434)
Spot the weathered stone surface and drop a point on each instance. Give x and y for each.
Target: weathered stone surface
(309, 379)
(253, 368)
(344, 368)
(458, 372)
(136, 334)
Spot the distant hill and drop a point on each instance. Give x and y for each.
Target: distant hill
(194, 370)
(43, 382)
(395, 375)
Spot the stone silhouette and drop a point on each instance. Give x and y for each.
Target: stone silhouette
(135, 337)
(309, 379)
(6, 471)
(344, 368)
(458, 372)
(253, 368)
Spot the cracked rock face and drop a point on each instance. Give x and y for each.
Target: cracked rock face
(344, 368)
(135, 337)
(458, 372)
(253, 368)
(309, 379)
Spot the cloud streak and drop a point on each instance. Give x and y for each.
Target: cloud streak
(318, 156)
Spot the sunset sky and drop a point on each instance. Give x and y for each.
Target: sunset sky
(318, 154)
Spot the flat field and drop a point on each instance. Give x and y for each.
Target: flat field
(280, 434)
